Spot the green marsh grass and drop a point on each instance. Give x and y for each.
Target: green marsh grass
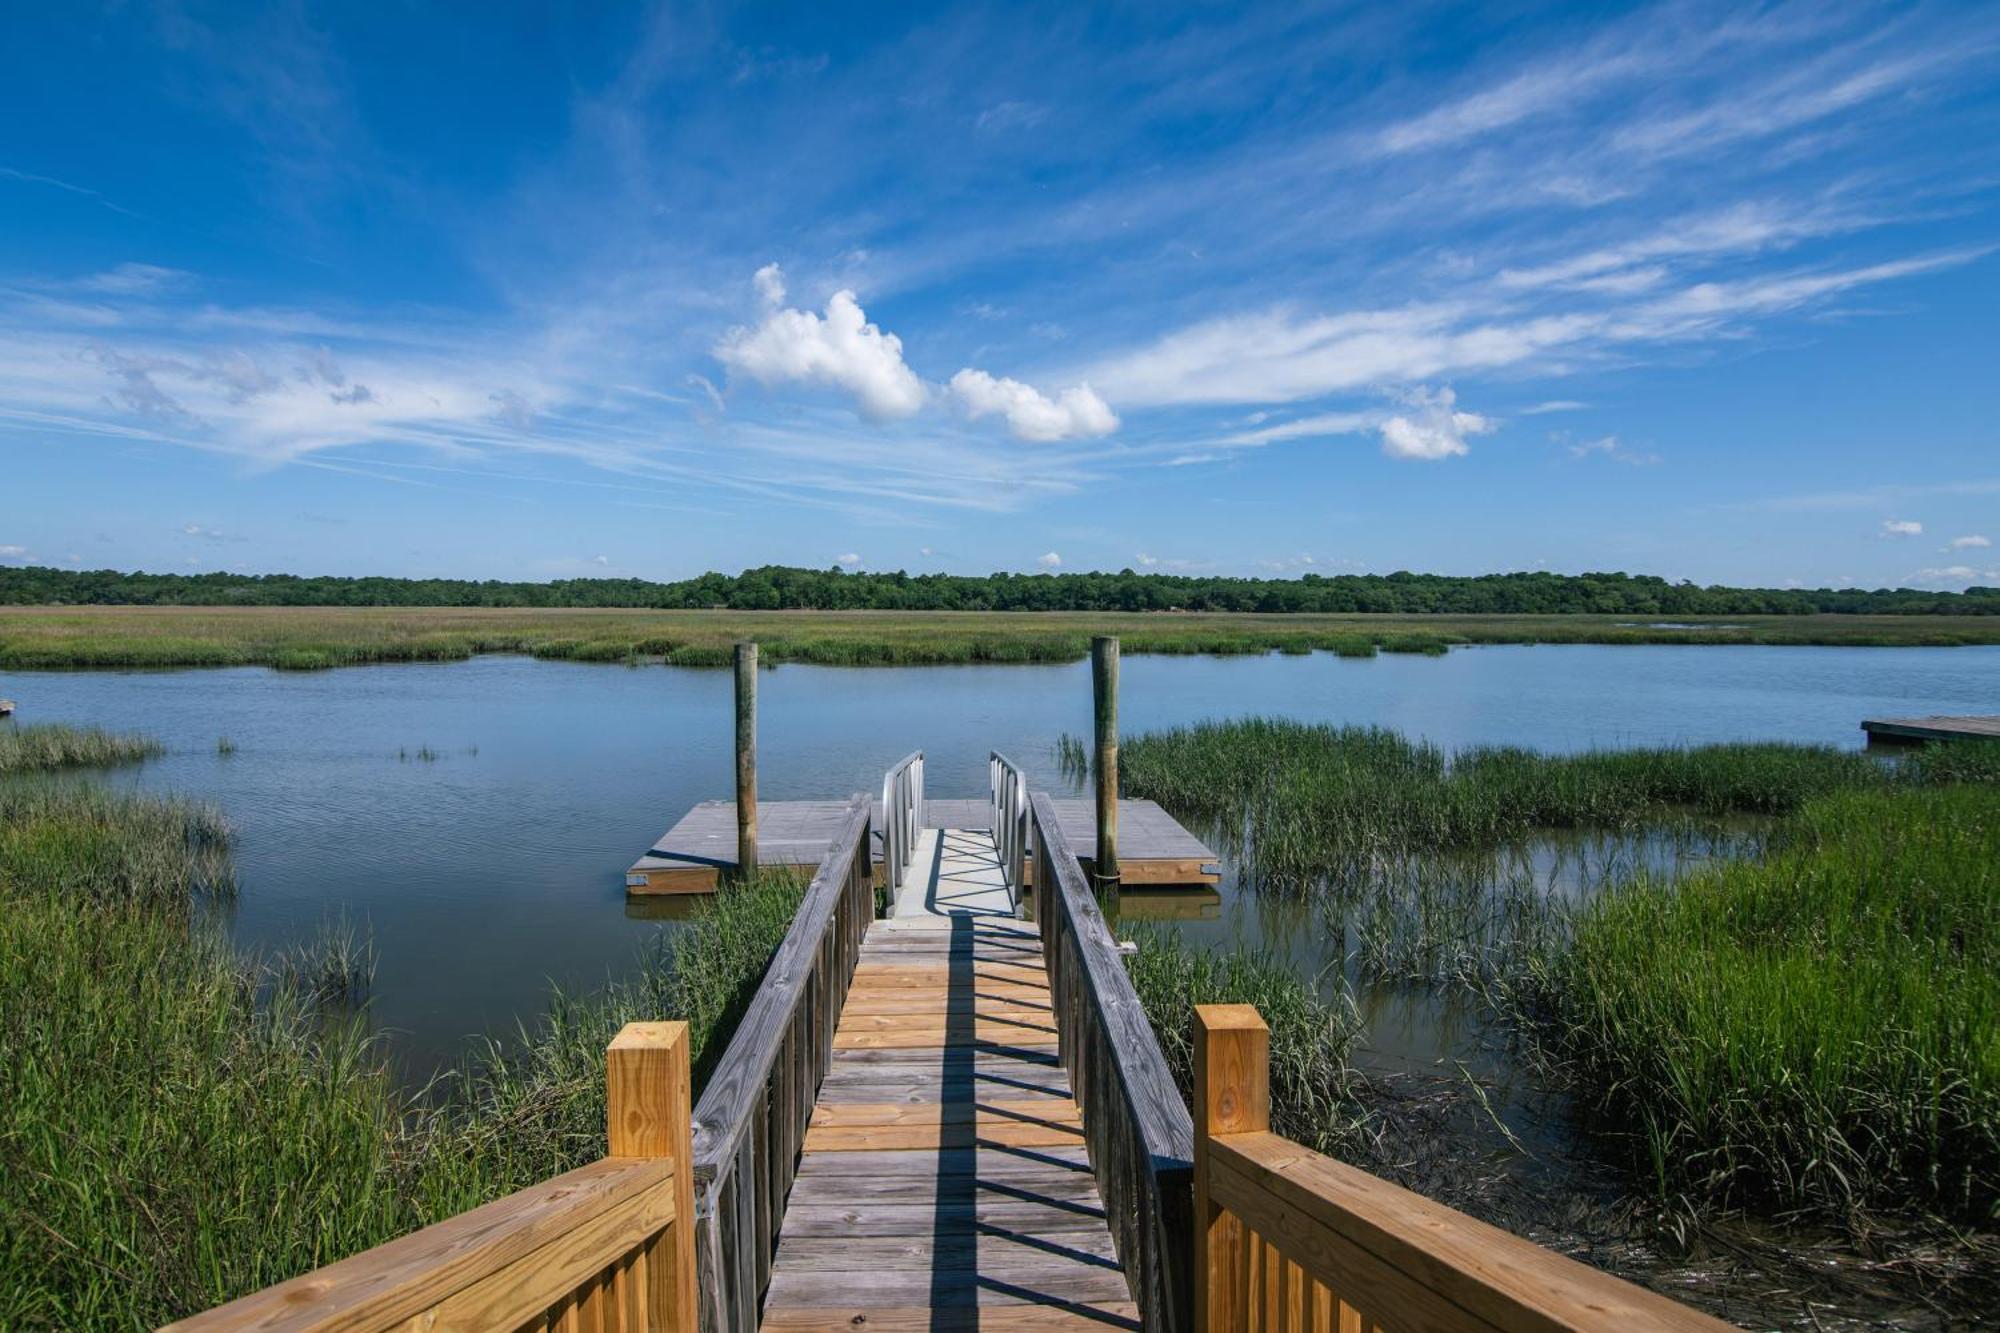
(48, 746)
(318, 638)
(184, 1124)
(1816, 1029)
(1307, 802)
(1313, 1087)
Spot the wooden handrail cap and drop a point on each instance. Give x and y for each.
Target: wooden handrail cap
(639, 1036)
(1230, 1017)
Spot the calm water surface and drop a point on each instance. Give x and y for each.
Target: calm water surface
(496, 868)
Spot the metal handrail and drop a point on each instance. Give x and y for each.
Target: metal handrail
(1008, 789)
(902, 818)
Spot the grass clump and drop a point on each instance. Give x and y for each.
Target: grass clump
(48, 746)
(1314, 1097)
(1818, 1029)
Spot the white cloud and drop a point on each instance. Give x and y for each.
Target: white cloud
(1324, 423)
(1960, 574)
(1146, 561)
(850, 559)
(1901, 527)
(1282, 355)
(1076, 413)
(136, 280)
(600, 560)
(12, 552)
(770, 282)
(1554, 405)
(1969, 543)
(1049, 561)
(843, 350)
(1433, 428)
(1610, 447)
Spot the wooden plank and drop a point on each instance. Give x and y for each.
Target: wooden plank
(1395, 1253)
(981, 1252)
(995, 1209)
(407, 1277)
(1069, 1285)
(1098, 1315)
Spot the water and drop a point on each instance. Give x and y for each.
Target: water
(495, 868)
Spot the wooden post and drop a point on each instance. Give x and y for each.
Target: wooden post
(1232, 1095)
(746, 759)
(647, 1092)
(1104, 698)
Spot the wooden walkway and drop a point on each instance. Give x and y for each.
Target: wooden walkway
(944, 1182)
(1153, 848)
(1910, 730)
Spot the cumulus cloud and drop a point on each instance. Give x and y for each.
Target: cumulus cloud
(1901, 527)
(9, 551)
(1076, 413)
(850, 559)
(842, 349)
(1146, 561)
(1969, 543)
(1050, 560)
(1432, 428)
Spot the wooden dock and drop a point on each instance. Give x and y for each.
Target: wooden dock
(944, 1182)
(1153, 848)
(1916, 730)
(949, 1119)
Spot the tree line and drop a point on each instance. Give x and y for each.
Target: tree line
(781, 587)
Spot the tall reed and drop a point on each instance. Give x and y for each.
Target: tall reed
(1820, 1028)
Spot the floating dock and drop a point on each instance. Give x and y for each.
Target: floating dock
(1915, 730)
(1153, 849)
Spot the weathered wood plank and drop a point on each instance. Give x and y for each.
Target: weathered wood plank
(1070, 1284)
(1097, 1315)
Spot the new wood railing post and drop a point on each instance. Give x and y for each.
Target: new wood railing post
(1104, 698)
(647, 1088)
(746, 759)
(1232, 1095)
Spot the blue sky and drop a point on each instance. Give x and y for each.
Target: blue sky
(513, 291)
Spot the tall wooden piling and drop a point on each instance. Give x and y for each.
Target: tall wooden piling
(746, 758)
(1104, 698)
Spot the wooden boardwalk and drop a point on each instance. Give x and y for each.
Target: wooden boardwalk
(1153, 849)
(944, 1182)
(1911, 730)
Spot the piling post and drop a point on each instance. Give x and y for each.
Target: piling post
(746, 759)
(1104, 697)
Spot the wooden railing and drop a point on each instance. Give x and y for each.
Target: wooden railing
(1008, 788)
(608, 1247)
(902, 818)
(1137, 1128)
(752, 1117)
(1289, 1239)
